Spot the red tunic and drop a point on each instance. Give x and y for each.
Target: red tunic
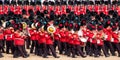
(44, 8)
(70, 7)
(115, 37)
(37, 8)
(12, 8)
(90, 8)
(70, 38)
(108, 34)
(56, 34)
(83, 10)
(37, 36)
(1, 35)
(105, 10)
(5, 9)
(26, 7)
(1, 9)
(118, 9)
(99, 40)
(33, 34)
(63, 36)
(49, 40)
(63, 11)
(9, 35)
(97, 9)
(42, 38)
(76, 39)
(57, 10)
(51, 8)
(18, 10)
(18, 40)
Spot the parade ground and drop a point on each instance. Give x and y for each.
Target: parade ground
(62, 57)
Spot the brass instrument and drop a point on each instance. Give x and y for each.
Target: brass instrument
(51, 29)
(24, 24)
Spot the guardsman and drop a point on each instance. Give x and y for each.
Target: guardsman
(12, 6)
(26, 7)
(100, 41)
(97, 7)
(78, 44)
(38, 6)
(118, 8)
(63, 7)
(57, 38)
(90, 6)
(19, 43)
(77, 8)
(33, 39)
(71, 48)
(1, 41)
(108, 36)
(45, 6)
(1, 8)
(9, 39)
(6, 7)
(49, 43)
(115, 40)
(70, 5)
(105, 8)
(57, 8)
(42, 43)
(83, 8)
(114, 5)
(63, 40)
(51, 6)
(18, 9)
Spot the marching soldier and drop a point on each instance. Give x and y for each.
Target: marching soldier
(115, 40)
(1, 8)
(42, 43)
(1, 41)
(57, 38)
(9, 39)
(108, 37)
(33, 39)
(100, 41)
(6, 7)
(19, 43)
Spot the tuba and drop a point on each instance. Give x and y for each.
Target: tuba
(51, 29)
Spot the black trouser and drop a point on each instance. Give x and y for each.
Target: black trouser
(42, 50)
(108, 46)
(117, 46)
(103, 49)
(63, 47)
(94, 49)
(9, 45)
(71, 49)
(51, 49)
(88, 48)
(34, 45)
(1, 48)
(20, 51)
(56, 43)
(79, 50)
(2, 45)
(28, 42)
